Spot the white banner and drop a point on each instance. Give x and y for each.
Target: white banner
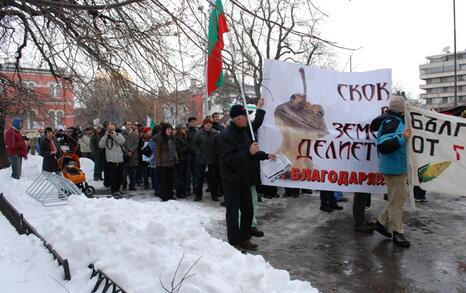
(436, 151)
(319, 119)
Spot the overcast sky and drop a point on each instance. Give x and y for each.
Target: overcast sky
(395, 34)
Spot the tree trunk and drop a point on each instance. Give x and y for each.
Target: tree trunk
(4, 163)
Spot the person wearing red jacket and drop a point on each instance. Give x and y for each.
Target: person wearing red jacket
(17, 147)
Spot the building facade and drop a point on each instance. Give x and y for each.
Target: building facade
(438, 75)
(54, 105)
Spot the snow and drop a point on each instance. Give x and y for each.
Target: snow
(139, 244)
(26, 265)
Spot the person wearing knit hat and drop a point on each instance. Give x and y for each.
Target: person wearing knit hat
(16, 146)
(397, 104)
(392, 140)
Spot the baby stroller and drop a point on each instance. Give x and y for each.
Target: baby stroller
(70, 168)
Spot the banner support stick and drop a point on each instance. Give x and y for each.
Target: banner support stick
(243, 96)
(410, 169)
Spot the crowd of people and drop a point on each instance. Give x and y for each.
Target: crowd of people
(173, 162)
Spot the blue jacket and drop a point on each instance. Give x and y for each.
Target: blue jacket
(391, 143)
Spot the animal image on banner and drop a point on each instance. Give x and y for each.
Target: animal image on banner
(319, 120)
(436, 151)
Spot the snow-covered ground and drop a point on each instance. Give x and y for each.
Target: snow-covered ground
(139, 244)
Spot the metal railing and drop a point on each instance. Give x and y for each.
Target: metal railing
(102, 278)
(23, 227)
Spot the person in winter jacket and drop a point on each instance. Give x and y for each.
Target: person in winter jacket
(16, 146)
(236, 155)
(113, 143)
(165, 159)
(391, 144)
(205, 147)
(182, 149)
(256, 177)
(98, 153)
(49, 151)
(216, 123)
(85, 144)
(131, 148)
(191, 176)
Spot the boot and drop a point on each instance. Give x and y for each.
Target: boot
(326, 208)
(363, 228)
(400, 240)
(382, 229)
(256, 233)
(336, 207)
(248, 245)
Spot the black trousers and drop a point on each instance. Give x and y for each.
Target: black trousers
(238, 198)
(360, 202)
(327, 198)
(211, 177)
(181, 173)
(166, 182)
(106, 174)
(115, 175)
(419, 193)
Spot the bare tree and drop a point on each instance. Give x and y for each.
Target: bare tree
(277, 29)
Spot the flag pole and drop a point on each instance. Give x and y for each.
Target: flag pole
(243, 96)
(206, 53)
(233, 61)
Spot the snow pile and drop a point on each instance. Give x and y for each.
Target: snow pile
(140, 244)
(26, 265)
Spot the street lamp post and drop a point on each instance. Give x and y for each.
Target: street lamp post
(454, 52)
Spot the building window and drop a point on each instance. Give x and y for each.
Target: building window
(59, 117)
(31, 119)
(436, 101)
(29, 85)
(52, 119)
(54, 90)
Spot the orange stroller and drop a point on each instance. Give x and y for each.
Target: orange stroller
(70, 168)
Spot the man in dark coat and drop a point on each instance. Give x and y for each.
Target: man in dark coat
(237, 154)
(49, 151)
(216, 123)
(191, 175)
(98, 153)
(205, 146)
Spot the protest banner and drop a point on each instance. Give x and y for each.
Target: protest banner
(319, 119)
(436, 151)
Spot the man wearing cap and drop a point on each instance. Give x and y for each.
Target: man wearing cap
(17, 147)
(391, 144)
(205, 146)
(237, 154)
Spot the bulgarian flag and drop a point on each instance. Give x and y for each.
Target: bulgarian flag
(217, 26)
(150, 122)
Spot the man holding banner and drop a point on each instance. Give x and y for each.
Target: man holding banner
(392, 139)
(237, 153)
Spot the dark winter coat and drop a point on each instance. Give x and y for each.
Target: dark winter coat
(205, 146)
(165, 151)
(50, 162)
(182, 147)
(190, 136)
(131, 145)
(95, 149)
(217, 126)
(236, 162)
(256, 124)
